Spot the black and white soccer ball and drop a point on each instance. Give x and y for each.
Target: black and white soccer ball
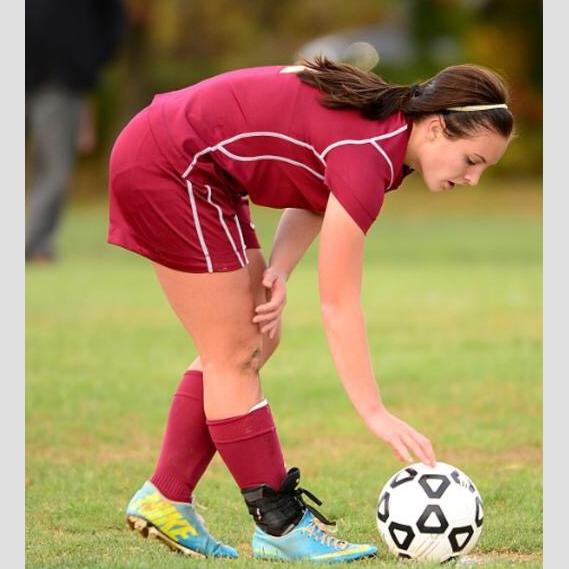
(430, 514)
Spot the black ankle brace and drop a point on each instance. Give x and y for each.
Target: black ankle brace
(276, 512)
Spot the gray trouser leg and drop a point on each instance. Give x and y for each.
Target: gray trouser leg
(53, 115)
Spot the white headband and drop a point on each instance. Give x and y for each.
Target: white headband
(478, 107)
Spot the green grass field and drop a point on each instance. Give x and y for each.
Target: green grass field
(453, 301)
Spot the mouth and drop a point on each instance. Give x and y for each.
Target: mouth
(449, 185)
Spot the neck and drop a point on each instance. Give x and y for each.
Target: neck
(410, 158)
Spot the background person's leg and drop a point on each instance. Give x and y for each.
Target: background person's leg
(54, 115)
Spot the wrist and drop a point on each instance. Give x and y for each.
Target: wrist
(280, 270)
(374, 413)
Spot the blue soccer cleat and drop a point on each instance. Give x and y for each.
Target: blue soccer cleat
(175, 523)
(308, 541)
(289, 529)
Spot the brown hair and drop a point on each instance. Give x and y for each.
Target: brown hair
(346, 86)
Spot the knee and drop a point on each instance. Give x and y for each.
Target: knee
(243, 358)
(249, 358)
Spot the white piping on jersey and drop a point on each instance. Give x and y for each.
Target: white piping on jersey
(243, 246)
(250, 135)
(224, 225)
(270, 157)
(363, 140)
(199, 227)
(389, 163)
(321, 156)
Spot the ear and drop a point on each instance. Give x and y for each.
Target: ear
(434, 128)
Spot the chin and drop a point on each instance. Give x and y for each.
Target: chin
(435, 188)
(429, 185)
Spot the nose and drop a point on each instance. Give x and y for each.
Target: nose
(472, 178)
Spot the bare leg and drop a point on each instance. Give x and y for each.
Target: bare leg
(216, 310)
(256, 268)
(187, 447)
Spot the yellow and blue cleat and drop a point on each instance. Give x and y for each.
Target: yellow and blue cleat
(175, 523)
(308, 541)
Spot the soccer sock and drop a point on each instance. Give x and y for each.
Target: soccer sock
(187, 448)
(250, 447)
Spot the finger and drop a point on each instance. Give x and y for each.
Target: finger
(269, 277)
(277, 286)
(274, 331)
(400, 451)
(276, 301)
(269, 327)
(266, 317)
(416, 448)
(264, 309)
(269, 280)
(267, 310)
(264, 325)
(426, 447)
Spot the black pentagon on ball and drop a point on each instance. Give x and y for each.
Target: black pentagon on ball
(452, 537)
(442, 524)
(405, 475)
(456, 477)
(383, 504)
(440, 484)
(479, 516)
(409, 534)
(405, 556)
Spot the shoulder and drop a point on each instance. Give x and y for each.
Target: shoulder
(351, 129)
(364, 138)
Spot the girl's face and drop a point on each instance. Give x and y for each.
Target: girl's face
(444, 162)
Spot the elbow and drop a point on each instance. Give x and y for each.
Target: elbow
(329, 310)
(331, 317)
(335, 309)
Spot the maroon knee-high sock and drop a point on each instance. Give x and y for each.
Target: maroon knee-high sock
(187, 448)
(250, 448)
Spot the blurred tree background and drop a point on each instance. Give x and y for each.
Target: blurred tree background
(173, 43)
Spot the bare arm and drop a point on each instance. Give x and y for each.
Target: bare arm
(340, 264)
(296, 231)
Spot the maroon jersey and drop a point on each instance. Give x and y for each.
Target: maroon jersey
(262, 132)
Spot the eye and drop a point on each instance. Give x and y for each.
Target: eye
(469, 161)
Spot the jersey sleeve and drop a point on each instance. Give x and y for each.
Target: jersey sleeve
(358, 176)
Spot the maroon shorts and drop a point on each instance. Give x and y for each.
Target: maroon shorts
(183, 224)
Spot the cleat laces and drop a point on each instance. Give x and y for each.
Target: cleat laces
(317, 532)
(298, 492)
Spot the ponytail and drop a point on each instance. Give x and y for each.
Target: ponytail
(346, 86)
(448, 93)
